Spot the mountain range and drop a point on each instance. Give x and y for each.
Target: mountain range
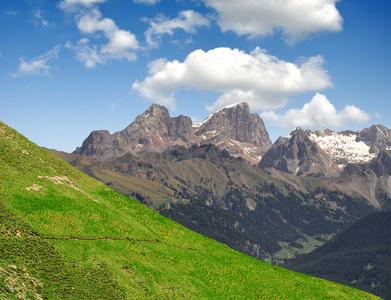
(234, 128)
(355, 156)
(243, 134)
(225, 179)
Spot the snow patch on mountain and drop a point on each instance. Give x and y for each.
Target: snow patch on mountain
(343, 147)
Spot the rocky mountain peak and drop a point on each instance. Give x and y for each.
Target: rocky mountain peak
(156, 110)
(296, 154)
(233, 128)
(156, 116)
(157, 119)
(95, 143)
(241, 132)
(377, 137)
(221, 114)
(236, 122)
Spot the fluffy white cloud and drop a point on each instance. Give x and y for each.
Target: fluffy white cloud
(92, 22)
(188, 20)
(295, 19)
(151, 2)
(38, 65)
(70, 5)
(262, 80)
(121, 43)
(319, 113)
(119, 40)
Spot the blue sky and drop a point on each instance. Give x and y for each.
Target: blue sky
(72, 66)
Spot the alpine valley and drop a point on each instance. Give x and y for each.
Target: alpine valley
(225, 179)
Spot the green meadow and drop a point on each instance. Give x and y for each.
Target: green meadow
(64, 235)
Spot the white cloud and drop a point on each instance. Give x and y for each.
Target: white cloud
(71, 5)
(295, 19)
(38, 15)
(262, 80)
(90, 56)
(150, 2)
(92, 22)
(36, 66)
(121, 43)
(187, 20)
(319, 113)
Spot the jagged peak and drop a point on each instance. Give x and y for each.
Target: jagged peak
(154, 109)
(379, 127)
(242, 104)
(297, 130)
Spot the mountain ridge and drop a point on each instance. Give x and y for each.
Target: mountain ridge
(233, 128)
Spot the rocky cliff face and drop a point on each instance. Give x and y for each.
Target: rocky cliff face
(232, 128)
(235, 129)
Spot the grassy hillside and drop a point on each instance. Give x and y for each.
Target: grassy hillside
(65, 235)
(359, 256)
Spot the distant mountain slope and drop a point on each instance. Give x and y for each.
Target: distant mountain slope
(67, 236)
(225, 198)
(359, 257)
(233, 128)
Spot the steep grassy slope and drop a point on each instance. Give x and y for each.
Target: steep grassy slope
(64, 235)
(359, 256)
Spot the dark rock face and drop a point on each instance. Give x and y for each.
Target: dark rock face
(354, 170)
(296, 154)
(382, 165)
(232, 128)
